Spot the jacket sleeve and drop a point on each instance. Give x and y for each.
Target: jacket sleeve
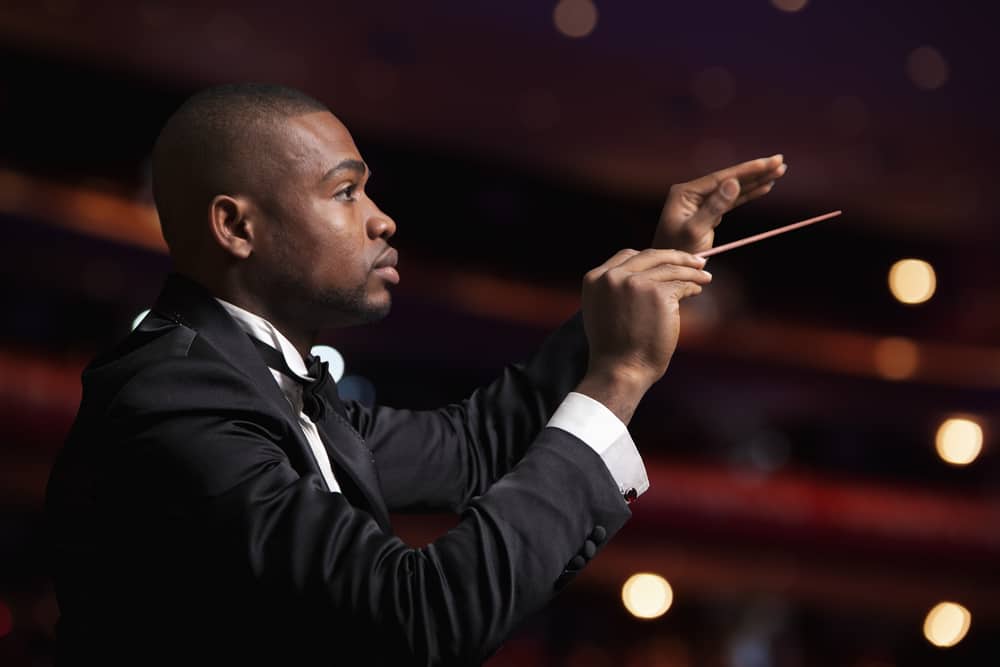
(215, 470)
(439, 459)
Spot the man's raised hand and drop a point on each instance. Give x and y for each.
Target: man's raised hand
(632, 320)
(694, 209)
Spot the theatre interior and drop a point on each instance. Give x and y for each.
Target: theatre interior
(824, 449)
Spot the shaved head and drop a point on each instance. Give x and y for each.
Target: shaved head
(261, 195)
(220, 141)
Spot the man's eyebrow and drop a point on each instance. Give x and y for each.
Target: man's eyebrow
(350, 164)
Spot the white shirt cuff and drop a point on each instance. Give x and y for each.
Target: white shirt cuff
(602, 431)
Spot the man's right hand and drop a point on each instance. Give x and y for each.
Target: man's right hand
(631, 316)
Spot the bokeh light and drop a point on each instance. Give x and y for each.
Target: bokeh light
(927, 68)
(912, 281)
(647, 595)
(332, 357)
(575, 18)
(959, 441)
(896, 358)
(946, 624)
(139, 318)
(790, 5)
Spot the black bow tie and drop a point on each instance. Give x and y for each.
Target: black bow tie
(314, 404)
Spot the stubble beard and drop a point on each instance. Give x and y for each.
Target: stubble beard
(352, 307)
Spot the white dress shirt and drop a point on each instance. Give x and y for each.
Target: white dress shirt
(579, 415)
(264, 331)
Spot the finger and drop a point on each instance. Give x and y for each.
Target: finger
(614, 261)
(744, 171)
(749, 184)
(650, 258)
(759, 191)
(719, 202)
(682, 289)
(671, 272)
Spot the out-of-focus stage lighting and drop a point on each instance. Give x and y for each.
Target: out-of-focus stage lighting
(927, 68)
(959, 441)
(790, 5)
(575, 18)
(332, 357)
(896, 358)
(946, 624)
(139, 318)
(647, 595)
(912, 281)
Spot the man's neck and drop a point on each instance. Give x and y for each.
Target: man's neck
(302, 339)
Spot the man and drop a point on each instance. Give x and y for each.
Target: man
(217, 502)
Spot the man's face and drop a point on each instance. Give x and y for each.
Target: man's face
(322, 251)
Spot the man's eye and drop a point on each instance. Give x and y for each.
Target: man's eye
(346, 194)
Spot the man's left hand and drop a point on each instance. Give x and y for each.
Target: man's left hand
(694, 209)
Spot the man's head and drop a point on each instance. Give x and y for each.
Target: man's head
(260, 193)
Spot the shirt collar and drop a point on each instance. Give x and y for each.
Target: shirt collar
(264, 331)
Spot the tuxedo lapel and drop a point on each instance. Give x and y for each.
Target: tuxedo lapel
(189, 304)
(350, 454)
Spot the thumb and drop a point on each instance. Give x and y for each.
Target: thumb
(722, 199)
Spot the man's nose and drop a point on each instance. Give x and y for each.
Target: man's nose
(380, 225)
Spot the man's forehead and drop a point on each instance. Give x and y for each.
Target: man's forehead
(321, 139)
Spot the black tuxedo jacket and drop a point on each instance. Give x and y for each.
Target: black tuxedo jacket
(191, 524)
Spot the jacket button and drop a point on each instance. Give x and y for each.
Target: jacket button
(576, 563)
(599, 534)
(564, 579)
(589, 549)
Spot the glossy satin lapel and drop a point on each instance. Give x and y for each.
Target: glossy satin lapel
(351, 455)
(191, 305)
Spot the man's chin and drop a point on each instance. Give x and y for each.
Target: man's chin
(367, 314)
(379, 312)
(340, 309)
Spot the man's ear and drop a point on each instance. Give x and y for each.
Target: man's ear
(230, 227)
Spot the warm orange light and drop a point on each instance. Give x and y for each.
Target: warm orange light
(912, 281)
(927, 68)
(959, 441)
(946, 624)
(575, 18)
(790, 5)
(896, 358)
(647, 595)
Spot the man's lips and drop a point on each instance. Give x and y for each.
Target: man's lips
(388, 258)
(385, 266)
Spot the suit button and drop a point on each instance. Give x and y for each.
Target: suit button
(576, 563)
(564, 579)
(599, 534)
(589, 549)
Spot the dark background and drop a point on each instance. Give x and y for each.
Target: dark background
(798, 507)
